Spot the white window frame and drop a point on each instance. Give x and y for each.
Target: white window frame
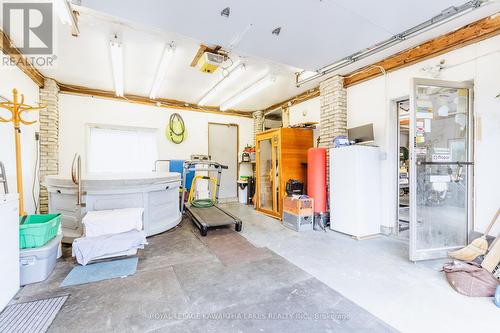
(90, 126)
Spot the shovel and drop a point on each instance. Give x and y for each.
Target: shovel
(478, 247)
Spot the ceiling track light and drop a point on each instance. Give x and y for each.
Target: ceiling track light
(116, 49)
(166, 60)
(276, 31)
(256, 87)
(443, 17)
(223, 83)
(67, 15)
(225, 12)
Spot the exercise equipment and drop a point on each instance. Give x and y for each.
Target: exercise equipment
(205, 213)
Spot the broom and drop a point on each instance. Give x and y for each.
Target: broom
(478, 247)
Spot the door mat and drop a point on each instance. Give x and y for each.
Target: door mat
(33, 317)
(101, 271)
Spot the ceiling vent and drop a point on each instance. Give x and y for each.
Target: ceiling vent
(209, 62)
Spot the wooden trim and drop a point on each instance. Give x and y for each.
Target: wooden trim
(161, 102)
(20, 60)
(469, 34)
(201, 50)
(302, 97)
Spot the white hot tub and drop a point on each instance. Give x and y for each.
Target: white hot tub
(157, 193)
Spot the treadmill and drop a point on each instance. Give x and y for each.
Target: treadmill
(209, 217)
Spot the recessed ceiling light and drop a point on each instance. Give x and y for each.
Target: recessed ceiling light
(277, 31)
(225, 12)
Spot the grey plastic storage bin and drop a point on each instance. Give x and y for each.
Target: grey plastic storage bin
(36, 264)
(298, 223)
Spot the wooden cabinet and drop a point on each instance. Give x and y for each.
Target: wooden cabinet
(281, 155)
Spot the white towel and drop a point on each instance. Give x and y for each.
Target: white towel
(106, 222)
(86, 249)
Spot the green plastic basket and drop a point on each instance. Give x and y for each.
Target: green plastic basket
(37, 230)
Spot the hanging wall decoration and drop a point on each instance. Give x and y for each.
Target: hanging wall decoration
(176, 129)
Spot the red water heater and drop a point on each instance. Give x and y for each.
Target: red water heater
(316, 178)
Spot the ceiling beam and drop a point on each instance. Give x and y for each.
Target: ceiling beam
(137, 99)
(18, 59)
(469, 34)
(302, 97)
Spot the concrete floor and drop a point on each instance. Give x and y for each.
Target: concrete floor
(183, 277)
(375, 274)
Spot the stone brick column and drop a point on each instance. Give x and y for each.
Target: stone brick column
(49, 137)
(333, 114)
(258, 122)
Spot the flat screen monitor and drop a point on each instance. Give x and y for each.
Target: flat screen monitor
(361, 134)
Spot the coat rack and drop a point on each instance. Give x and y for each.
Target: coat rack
(16, 109)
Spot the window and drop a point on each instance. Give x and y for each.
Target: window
(121, 149)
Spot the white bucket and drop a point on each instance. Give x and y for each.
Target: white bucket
(242, 192)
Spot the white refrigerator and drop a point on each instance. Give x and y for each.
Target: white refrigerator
(9, 248)
(355, 190)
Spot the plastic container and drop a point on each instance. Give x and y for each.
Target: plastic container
(37, 230)
(37, 264)
(243, 191)
(298, 222)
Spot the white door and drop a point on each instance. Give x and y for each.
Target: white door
(441, 167)
(223, 148)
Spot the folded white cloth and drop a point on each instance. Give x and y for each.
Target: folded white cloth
(86, 249)
(105, 222)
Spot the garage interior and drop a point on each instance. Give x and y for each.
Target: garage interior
(229, 166)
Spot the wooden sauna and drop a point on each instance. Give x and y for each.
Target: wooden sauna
(281, 154)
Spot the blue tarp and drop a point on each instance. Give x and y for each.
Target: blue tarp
(176, 166)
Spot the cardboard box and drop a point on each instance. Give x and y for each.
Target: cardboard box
(300, 207)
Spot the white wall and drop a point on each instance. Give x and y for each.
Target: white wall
(369, 102)
(12, 77)
(307, 111)
(78, 111)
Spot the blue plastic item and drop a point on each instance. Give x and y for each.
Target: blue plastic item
(496, 300)
(176, 166)
(340, 141)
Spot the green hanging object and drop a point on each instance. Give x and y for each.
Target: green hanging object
(176, 130)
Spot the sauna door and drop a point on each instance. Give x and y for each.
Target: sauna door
(267, 174)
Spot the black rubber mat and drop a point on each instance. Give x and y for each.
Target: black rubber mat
(212, 216)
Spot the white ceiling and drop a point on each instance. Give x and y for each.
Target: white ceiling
(314, 33)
